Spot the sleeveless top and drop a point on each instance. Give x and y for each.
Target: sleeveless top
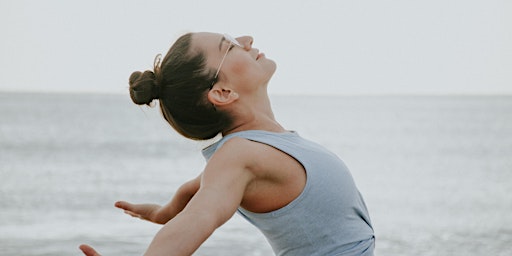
(329, 217)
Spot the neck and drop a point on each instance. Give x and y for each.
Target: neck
(254, 113)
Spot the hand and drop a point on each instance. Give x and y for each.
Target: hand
(88, 250)
(149, 212)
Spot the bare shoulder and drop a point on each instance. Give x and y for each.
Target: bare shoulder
(239, 150)
(262, 160)
(232, 159)
(240, 154)
(243, 152)
(275, 180)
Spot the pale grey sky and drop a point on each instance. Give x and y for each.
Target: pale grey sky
(321, 47)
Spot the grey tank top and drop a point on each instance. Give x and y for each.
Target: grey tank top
(329, 217)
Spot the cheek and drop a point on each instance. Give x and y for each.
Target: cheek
(240, 68)
(247, 71)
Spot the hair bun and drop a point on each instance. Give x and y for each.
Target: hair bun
(143, 88)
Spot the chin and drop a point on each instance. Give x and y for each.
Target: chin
(273, 67)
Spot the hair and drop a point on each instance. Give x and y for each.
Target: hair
(181, 83)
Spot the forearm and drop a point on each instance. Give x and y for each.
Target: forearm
(178, 202)
(182, 235)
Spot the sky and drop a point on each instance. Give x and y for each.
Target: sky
(320, 47)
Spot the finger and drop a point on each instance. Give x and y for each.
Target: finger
(124, 205)
(133, 214)
(88, 250)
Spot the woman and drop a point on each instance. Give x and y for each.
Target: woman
(301, 196)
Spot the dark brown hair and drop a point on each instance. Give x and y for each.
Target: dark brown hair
(181, 84)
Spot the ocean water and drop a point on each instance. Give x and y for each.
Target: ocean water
(435, 171)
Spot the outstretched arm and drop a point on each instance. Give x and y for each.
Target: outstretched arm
(223, 184)
(153, 212)
(162, 214)
(221, 190)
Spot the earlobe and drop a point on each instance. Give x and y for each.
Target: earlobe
(222, 96)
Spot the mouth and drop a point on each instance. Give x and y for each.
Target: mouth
(260, 55)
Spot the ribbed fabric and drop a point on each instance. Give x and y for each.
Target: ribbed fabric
(329, 217)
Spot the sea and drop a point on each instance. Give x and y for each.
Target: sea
(435, 171)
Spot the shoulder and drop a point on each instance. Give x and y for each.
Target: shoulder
(259, 158)
(239, 150)
(229, 166)
(244, 154)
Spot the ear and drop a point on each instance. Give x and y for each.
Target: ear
(219, 96)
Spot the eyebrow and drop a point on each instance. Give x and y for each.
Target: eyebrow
(221, 41)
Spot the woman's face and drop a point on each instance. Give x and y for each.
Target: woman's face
(242, 66)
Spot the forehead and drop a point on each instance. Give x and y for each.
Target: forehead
(206, 42)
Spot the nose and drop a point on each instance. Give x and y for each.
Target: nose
(246, 41)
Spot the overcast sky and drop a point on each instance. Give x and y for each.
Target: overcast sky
(321, 47)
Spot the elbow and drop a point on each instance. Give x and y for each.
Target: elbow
(190, 188)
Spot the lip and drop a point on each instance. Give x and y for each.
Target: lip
(260, 55)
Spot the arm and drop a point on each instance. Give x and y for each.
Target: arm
(162, 214)
(221, 191)
(156, 213)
